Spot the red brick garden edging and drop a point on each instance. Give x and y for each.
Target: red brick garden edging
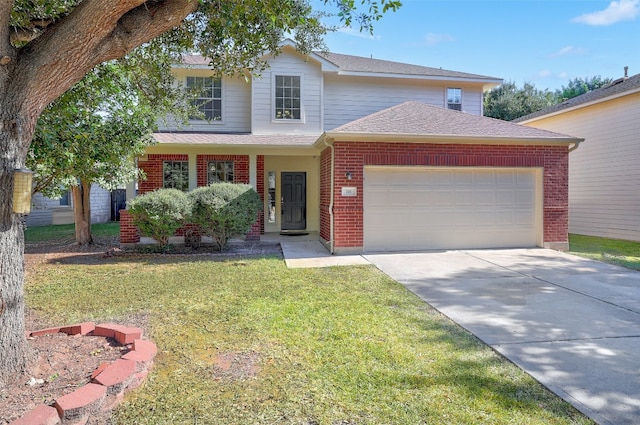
(109, 381)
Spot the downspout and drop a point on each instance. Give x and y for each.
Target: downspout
(331, 248)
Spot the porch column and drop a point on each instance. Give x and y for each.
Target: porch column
(253, 171)
(193, 171)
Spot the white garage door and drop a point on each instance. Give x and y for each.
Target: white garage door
(412, 208)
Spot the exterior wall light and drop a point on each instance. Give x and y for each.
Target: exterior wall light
(22, 185)
(348, 175)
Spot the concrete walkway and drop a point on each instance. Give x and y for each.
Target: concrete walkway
(299, 254)
(571, 323)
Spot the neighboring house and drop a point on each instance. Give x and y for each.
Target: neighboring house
(604, 174)
(46, 211)
(370, 154)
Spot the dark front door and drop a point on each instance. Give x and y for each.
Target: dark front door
(294, 201)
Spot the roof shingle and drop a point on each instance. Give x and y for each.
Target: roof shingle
(370, 65)
(419, 119)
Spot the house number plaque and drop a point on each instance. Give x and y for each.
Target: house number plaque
(349, 191)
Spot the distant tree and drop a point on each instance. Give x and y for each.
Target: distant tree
(579, 86)
(508, 102)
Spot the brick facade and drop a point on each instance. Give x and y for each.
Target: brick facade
(354, 156)
(152, 167)
(240, 167)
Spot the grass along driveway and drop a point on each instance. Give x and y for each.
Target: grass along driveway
(252, 342)
(613, 251)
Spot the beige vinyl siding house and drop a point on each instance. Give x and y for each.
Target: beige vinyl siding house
(604, 173)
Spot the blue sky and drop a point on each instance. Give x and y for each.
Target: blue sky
(546, 42)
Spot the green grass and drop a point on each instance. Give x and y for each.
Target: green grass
(66, 231)
(613, 251)
(344, 345)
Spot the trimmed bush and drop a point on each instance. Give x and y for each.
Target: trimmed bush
(160, 213)
(224, 210)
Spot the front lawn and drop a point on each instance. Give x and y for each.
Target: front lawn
(252, 342)
(67, 232)
(613, 251)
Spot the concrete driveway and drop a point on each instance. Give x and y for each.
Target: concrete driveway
(571, 323)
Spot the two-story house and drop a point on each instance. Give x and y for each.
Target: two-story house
(372, 155)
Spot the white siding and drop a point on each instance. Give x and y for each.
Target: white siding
(100, 204)
(604, 176)
(347, 98)
(288, 63)
(236, 107)
(43, 208)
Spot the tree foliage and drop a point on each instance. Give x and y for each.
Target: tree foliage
(508, 102)
(579, 86)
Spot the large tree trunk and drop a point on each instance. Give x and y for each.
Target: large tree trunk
(82, 212)
(13, 355)
(13, 344)
(31, 77)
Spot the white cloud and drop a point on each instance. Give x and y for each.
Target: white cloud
(568, 51)
(360, 34)
(431, 39)
(623, 10)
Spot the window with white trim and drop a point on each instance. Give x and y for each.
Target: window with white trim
(454, 99)
(209, 100)
(219, 171)
(287, 97)
(175, 174)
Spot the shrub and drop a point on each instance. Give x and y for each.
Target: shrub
(224, 210)
(160, 213)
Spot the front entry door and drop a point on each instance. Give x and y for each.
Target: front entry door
(294, 201)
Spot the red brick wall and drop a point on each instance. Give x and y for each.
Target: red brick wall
(325, 194)
(240, 167)
(348, 211)
(128, 232)
(153, 169)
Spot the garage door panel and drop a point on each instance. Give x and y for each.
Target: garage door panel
(449, 208)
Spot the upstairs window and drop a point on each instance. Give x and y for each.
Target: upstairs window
(220, 171)
(287, 97)
(454, 99)
(209, 100)
(175, 174)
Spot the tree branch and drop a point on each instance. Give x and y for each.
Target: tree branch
(95, 31)
(5, 15)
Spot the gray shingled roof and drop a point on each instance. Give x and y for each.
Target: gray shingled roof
(618, 87)
(349, 63)
(368, 65)
(419, 119)
(189, 138)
